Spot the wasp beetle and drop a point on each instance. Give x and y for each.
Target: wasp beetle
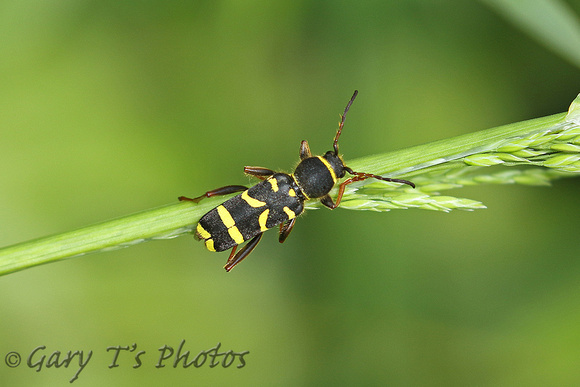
(277, 200)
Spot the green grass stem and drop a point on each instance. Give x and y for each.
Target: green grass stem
(551, 144)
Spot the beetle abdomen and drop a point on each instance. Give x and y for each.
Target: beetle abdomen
(263, 206)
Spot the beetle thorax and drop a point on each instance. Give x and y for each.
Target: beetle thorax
(318, 174)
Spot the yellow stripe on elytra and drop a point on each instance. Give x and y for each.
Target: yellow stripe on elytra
(251, 201)
(225, 216)
(203, 233)
(296, 181)
(329, 167)
(236, 234)
(274, 184)
(262, 220)
(209, 245)
(289, 212)
(230, 224)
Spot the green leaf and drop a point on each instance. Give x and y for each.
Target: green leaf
(551, 22)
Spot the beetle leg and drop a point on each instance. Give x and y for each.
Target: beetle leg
(285, 229)
(228, 189)
(232, 253)
(304, 150)
(243, 253)
(363, 176)
(259, 172)
(327, 201)
(358, 176)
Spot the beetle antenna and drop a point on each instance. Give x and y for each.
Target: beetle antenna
(335, 144)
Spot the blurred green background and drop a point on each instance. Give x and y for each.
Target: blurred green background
(109, 108)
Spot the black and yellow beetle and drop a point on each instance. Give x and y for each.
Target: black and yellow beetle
(277, 200)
